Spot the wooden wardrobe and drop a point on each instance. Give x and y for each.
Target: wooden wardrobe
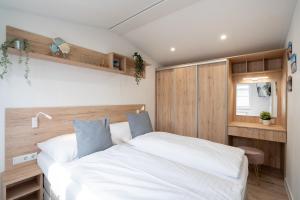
(192, 100)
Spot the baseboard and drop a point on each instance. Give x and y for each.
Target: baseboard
(288, 190)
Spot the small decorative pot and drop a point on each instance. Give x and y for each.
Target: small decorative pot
(266, 122)
(19, 44)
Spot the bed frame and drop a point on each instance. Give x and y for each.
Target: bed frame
(21, 138)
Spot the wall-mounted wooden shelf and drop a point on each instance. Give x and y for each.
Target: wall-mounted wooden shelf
(79, 56)
(257, 73)
(268, 61)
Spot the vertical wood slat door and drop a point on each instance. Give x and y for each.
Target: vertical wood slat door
(185, 116)
(212, 102)
(164, 100)
(176, 101)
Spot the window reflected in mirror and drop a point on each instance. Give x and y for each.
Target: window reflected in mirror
(253, 98)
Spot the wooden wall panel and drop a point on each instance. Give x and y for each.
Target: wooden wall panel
(21, 138)
(273, 76)
(230, 93)
(284, 92)
(165, 100)
(273, 151)
(185, 117)
(212, 102)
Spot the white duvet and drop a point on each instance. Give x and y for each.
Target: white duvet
(193, 152)
(124, 173)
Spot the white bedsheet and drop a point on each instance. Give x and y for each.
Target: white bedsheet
(123, 172)
(193, 152)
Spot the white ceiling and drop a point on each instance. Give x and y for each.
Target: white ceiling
(192, 26)
(100, 13)
(251, 25)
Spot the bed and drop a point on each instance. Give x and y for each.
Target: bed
(124, 172)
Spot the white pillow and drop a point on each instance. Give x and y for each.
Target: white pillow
(120, 132)
(62, 148)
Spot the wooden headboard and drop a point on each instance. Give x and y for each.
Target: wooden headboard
(21, 138)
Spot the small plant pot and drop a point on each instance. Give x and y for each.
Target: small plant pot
(19, 44)
(266, 122)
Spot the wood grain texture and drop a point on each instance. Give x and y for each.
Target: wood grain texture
(255, 66)
(257, 133)
(239, 67)
(277, 53)
(40, 45)
(21, 181)
(273, 64)
(79, 56)
(273, 76)
(270, 186)
(257, 126)
(212, 102)
(272, 150)
(185, 97)
(284, 76)
(165, 101)
(230, 93)
(21, 139)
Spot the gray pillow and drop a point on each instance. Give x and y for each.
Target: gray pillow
(139, 123)
(92, 136)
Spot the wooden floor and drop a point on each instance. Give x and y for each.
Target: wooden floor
(269, 186)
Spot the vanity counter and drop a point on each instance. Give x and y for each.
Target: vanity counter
(274, 133)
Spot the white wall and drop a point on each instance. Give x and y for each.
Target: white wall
(56, 84)
(293, 139)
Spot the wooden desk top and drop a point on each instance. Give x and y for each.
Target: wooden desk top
(257, 126)
(273, 133)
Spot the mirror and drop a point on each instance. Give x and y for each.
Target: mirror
(253, 98)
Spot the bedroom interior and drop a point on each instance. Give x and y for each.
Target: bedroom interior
(149, 99)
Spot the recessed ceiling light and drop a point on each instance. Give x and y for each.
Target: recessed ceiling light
(223, 37)
(172, 49)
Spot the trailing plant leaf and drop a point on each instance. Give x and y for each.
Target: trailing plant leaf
(5, 62)
(26, 62)
(139, 67)
(27, 69)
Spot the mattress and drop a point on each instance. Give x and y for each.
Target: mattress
(62, 184)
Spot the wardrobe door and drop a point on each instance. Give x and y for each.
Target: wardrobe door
(212, 101)
(164, 100)
(185, 116)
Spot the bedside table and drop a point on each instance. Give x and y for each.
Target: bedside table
(23, 183)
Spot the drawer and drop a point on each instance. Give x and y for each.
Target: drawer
(260, 134)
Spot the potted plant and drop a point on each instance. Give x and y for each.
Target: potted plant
(139, 67)
(22, 46)
(266, 118)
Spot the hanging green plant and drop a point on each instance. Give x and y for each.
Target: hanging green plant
(23, 47)
(139, 67)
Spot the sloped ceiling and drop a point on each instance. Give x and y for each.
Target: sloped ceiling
(250, 25)
(193, 27)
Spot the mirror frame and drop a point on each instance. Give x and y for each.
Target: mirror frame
(260, 81)
(272, 76)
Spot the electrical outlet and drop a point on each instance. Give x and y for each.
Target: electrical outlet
(24, 158)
